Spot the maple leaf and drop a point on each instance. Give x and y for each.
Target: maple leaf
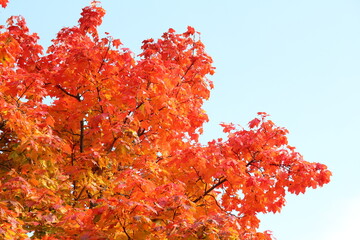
(254, 123)
(4, 3)
(116, 43)
(227, 127)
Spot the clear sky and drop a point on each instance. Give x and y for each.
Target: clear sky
(296, 60)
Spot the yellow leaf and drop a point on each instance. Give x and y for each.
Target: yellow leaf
(108, 96)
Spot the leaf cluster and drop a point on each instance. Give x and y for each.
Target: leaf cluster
(96, 143)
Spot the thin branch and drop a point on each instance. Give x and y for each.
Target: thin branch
(26, 89)
(80, 193)
(77, 97)
(183, 77)
(103, 60)
(112, 144)
(210, 189)
(82, 136)
(126, 119)
(99, 99)
(217, 203)
(251, 162)
(141, 131)
(187, 70)
(128, 236)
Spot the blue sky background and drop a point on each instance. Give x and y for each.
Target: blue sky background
(296, 60)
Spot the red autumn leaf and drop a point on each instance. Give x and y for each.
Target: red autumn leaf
(4, 3)
(254, 123)
(227, 127)
(191, 30)
(116, 43)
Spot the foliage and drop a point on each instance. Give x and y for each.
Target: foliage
(116, 154)
(4, 3)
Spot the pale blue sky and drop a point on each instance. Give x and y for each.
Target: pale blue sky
(296, 60)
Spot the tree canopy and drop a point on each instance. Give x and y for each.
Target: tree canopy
(96, 143)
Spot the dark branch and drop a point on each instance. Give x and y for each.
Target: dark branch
(77, 97)
(128, 236)
(80, 193)
(82, 136)
(26, 89)
(112, 144)
(187, 70)
(210, 189)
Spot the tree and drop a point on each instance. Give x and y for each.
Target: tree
(98, 144)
